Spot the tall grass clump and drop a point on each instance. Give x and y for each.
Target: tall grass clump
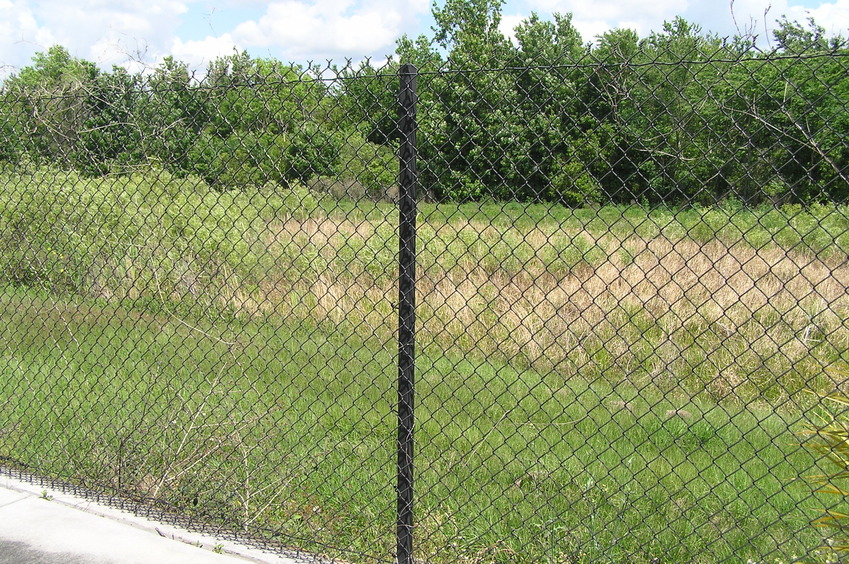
(142, 235)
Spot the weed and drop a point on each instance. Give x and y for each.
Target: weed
(831, 432)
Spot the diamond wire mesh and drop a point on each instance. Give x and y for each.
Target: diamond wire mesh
(192, 312)
(629, 272)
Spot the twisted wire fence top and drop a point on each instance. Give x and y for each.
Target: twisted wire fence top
(632, 265)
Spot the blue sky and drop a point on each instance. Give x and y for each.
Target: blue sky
(135, 33)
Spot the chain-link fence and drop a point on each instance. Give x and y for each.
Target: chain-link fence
(620, 276)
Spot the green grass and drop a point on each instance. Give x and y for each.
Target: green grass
(265, 426)
(615, 384)
(272, 427)
(818, 228)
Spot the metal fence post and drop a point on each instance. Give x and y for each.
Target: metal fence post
(406, 308)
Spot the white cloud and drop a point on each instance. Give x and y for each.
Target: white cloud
(834, 17)
(198, 54)
(104, 31)
(330, 28)
(22, 35)
(593, 18)
(508, 25)
(142, 32)
(757, 16)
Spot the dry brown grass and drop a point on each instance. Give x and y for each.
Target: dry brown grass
(318, 231)
(655, 306)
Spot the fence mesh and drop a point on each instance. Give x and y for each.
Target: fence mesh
(629, 272)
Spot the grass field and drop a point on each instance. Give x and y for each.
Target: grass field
(612, 384)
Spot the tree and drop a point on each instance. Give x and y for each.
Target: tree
(470, 28)
(267, 122)
(171, 114)
(609, 95)
(471, 109)
(368, 96)
(680, 156)
(110, 139)
(788, 110)
(48, 103)
(556, 147)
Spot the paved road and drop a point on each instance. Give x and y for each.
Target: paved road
(20, 553)
(59, 528)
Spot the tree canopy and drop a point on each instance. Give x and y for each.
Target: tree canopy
(678, 116)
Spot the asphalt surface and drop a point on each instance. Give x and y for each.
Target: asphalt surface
(42, 526)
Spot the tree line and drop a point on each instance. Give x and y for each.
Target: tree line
(680, 116)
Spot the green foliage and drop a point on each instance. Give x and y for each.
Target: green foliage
(373, 166)
(677, 117)
(368, 99)
(312, 152)
(48, 101)
(108, 142)
(145, 234)
(242, 160)
(469, 27)
(56, 70)
(264, 125)
(574, 185)
(830, 436)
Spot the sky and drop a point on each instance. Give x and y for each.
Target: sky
(139, 33)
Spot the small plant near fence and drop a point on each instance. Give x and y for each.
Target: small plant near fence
(829, 438)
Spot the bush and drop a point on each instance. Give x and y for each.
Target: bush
(372, 166)
(49, 225)
(144, 234)
(574, 185)
(256, 159)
